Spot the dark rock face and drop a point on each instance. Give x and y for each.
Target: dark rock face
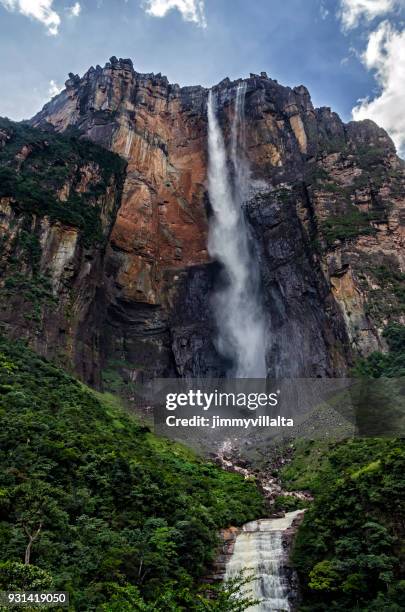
(304, 322)
(227, 538)
(289, 570)
(174, 339)
(326, 212)
(192, 326)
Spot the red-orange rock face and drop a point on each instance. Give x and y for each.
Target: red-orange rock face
(161, 223)
(326, 210)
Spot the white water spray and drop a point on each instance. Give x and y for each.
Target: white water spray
(259, 550)
(237, 308)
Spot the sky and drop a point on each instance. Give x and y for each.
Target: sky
(349, 53)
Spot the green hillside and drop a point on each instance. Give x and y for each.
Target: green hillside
(116, 514)
(350, 549)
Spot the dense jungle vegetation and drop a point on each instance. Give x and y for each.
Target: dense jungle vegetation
(117, 517)
(350, 549)
(93, 503)
(35, 166)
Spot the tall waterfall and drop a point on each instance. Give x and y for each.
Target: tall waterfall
(237, 307)
(259, 549)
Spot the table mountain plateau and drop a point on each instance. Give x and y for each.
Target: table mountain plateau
(104, 257)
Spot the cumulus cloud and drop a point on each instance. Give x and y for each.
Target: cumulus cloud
(41, 10)
(353, 11)
(385, 54)
(75, 10)
(190, 10)
(54, 89)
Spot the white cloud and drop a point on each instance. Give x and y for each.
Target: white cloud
(353, 11)
(385, 57)
(54, 89)
(191, 10)
(41, 10)
(323, 10)
(75, 10)
(385, 54)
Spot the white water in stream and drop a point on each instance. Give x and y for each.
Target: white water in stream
(237, 306)
(259, 549)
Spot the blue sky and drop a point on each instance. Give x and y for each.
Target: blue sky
(342, 50)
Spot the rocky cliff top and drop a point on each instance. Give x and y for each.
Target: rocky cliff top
(269, 96)
(289, 131)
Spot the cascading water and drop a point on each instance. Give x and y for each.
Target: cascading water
(259, 550)
(242, 334)
(237, 307)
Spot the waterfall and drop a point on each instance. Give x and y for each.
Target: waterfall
(259, 549)
(237, 306)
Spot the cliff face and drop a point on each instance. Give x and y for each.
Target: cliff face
(58, 202)
(326, 209)
(161, 227)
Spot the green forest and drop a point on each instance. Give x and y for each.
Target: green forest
(93, 503)
(350, 549)
(117, 517)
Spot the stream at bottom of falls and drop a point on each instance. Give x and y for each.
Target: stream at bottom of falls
(259, 550)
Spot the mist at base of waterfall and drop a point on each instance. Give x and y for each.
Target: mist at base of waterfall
(237, 305)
